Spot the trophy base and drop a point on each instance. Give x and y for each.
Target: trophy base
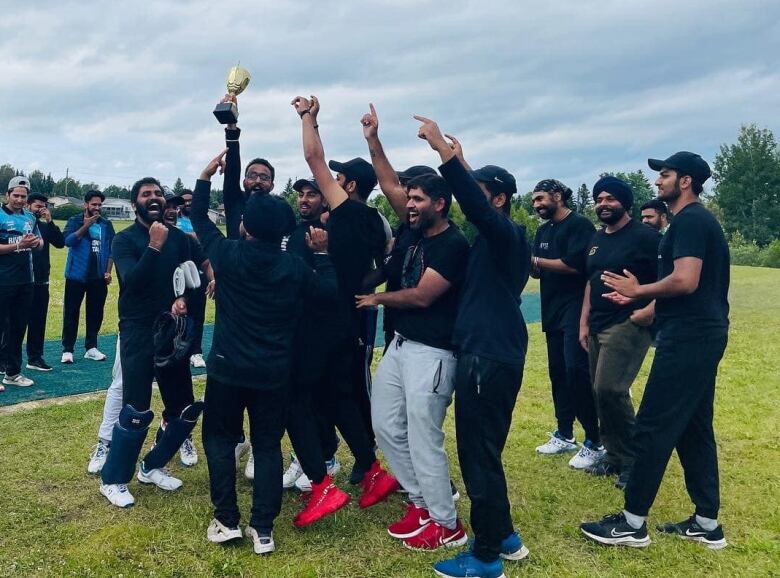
(226, 113)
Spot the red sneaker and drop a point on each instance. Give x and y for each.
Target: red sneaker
(377, 485)
(414, 521)
(325, 499)
(435, 536)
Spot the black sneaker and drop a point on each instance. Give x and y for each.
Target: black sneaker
(603, 467)
(38, 365)
(690, 530)
(622, 480)
(614, 530)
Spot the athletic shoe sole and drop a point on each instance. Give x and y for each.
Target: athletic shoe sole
(453, 544)
(221, 538)
(622, 541)
(517, 555)
(443, 575)
(36, 368)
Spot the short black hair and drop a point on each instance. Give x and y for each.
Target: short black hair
(32, 197)
(496, 189)
(91, 194)
(265, 163)
(657, 205)
(140, 183)
(185, 192)
(435, 187)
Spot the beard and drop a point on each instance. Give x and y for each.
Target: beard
(615, 215)
(672, 195)
(142, 211)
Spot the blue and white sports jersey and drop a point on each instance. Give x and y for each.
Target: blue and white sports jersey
(184, 224)
(16, 268)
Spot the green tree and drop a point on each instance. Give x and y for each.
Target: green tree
(178, 186)
(747, 189)
(381, 204)
(7, 172)
(41, 183)
(66, 187)
(116, 192)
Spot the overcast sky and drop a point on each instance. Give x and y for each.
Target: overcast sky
(556, 89)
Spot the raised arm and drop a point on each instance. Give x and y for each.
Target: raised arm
(388, 179)
(232, 196)
(207, 232)
(313, 152)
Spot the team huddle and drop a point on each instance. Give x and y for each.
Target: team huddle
(296, 315)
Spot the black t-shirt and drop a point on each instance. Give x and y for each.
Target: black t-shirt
(633, 247)
(16, 268)
(146, 275)
(93, 234)
(695, 232)
(568, 241)
(356, 240)
(447, 254)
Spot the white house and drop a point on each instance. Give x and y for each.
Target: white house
(117, 209)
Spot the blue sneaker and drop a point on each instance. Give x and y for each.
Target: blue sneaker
(512, 547)
(466, 565)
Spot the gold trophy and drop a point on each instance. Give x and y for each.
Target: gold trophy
(237, 81)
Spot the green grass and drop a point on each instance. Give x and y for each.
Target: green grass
(54, 522)
(57, 293)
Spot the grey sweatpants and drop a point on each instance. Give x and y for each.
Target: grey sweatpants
(412, 388)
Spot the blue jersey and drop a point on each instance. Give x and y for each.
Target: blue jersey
(16, 268)
(184, 224)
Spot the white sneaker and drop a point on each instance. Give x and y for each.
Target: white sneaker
(98, 458)
(241, 449)
(292, 473)
(263, 543)
(557, 444)
(188, 455)
(197, 361)
(587, 456)
(332, 466)
(219, 533)
(118, 495)
(160, 477)
(67, 357)
(18, 380)
(94, 354)
(249, 471)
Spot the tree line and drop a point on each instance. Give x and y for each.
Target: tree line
(745, 196)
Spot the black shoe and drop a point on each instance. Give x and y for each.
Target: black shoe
(614, 530)
(38, 365)
(356, 475)
(603, 467)
(622, 480)
(690, 530)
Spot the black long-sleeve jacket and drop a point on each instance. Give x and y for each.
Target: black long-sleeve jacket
(260, 294)
(51, 235)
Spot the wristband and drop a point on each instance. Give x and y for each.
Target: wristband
(316, 126)
(153, 248)
(303, 112)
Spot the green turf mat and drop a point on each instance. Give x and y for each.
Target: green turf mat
(85, 376)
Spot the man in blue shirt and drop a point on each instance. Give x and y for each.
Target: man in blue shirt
(18, 237)
(88, 237)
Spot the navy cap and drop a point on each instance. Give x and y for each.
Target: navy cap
(415, 171)
(358, 170)
(173, 199)
(685, 163)
(616, 187)
(300, 183)
(498, 179)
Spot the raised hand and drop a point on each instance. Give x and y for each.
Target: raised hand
(370, 122)
(315, 107)
(429, 131)
(217, 163)
(455, 146)
(158, 234)
(317, 240)
(301, 105)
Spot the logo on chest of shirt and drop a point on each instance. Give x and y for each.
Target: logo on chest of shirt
(593, 250)
(544, 245)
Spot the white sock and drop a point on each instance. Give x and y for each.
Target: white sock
(706, 523)
(633, 520)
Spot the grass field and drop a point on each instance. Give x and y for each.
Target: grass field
(55, 523)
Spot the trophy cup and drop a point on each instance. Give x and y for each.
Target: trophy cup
(237, 81)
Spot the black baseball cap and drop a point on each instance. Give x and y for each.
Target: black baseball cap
(173, 199)
(358, 170)
(685, 163)
(496, 178)
(415, 171)
(300, 183)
